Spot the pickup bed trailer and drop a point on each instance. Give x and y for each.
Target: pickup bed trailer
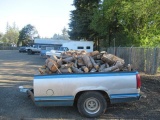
(91, 92)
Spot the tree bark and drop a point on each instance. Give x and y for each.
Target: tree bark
(52, 65)
(118, 65)
(68, 59)
(94, 53)
(87, 61)
(69, 65)
(111, 59)
(94, 64)
(80, 62)
(76, 70)
(65, 70)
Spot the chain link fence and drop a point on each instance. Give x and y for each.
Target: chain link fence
(142, 59)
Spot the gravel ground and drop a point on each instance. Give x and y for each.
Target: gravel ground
(18, 69)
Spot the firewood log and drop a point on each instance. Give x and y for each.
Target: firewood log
(97, 57)
(93, 70)
(69, 65)
(111, 59)
(99, 62)
(94, 53)
(68, 59)
(103, 66)
(80, 61)
(96, 66)
(75, 63)
(83, 52)
(116, 70)
(44, 67)
(53, 57)
(129, 67)
(103, 52)
(65, 70)
(59, 62)
(52, 65)
(85, 69)
(87, 62)
(107, 65)
(65, 56)
(42, 71)
(48, 71)
(118, 65)
(76, 70)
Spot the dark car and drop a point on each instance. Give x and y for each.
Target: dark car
(22, 49)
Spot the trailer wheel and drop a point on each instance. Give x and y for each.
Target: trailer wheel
(92, 104)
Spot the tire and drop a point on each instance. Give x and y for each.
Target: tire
(92, 104)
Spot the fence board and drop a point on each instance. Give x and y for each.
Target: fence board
(142, 59)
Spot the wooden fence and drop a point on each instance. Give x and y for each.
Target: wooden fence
(142, 59)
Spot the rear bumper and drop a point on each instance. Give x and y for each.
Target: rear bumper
(28, 90)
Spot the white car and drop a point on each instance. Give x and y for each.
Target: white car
(57, 52)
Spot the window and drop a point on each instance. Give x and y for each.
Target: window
(80, 47)
(88, 47)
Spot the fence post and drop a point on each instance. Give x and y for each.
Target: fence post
(155, 57)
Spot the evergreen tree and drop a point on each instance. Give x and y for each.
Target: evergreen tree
(81, 18)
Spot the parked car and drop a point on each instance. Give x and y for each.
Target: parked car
(22, 49)
(45, 49)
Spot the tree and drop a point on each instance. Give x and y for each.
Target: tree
(27, 34)
(11, 35)
(128, 23)
(65, 35)
(117, 22)
(81, 18)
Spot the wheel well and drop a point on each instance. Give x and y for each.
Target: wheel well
(100, 91)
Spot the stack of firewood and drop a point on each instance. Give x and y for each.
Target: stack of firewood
(83, 62)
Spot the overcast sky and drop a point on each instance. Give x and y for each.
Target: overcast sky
(48, 16)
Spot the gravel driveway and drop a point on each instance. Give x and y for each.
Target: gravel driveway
(18, 69)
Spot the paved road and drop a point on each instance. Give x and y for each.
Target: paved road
(18, 69)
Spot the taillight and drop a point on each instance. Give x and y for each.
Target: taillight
(138, 81)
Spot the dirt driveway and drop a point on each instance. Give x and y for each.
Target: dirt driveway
(18, 69)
